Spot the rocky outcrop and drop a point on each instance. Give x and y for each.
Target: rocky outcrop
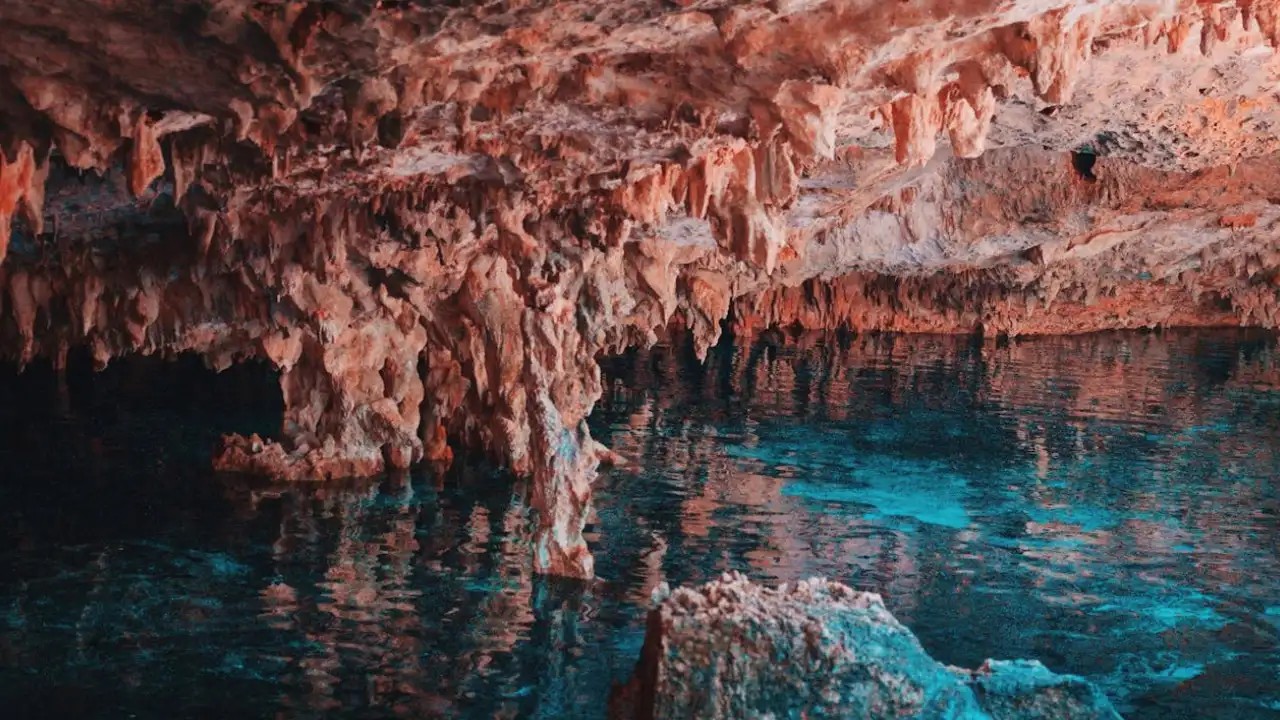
(734, 649)
(432, 220)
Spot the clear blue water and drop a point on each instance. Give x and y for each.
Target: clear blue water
(1106, 504)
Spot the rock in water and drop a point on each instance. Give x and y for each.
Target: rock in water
(1026, 689)
(735, 649)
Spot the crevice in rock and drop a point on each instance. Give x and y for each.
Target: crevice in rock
(1082, 162)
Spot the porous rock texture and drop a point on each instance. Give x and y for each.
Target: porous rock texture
(432, 217)
(736, 649)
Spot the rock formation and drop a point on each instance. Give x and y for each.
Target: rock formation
(433, 219)
(734, 649)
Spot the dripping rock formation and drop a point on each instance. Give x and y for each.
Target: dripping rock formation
(734, 649)
(432, 217)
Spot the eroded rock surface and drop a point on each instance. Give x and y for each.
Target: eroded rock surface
(735, 649)
(433, 219)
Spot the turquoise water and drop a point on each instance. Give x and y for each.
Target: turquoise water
(1106, 504)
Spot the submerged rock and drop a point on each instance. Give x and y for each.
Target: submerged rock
(735, 649)
(1021, 689)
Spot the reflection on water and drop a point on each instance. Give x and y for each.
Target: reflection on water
(1106, 504)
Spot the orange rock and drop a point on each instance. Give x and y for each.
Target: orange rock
(1236, 222)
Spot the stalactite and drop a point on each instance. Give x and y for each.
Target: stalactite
(916, 121)
(20, 182)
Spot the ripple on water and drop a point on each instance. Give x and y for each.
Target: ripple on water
(1105, 504)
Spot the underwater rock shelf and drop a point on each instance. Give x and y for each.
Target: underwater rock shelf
(433, 220)
(735, 649)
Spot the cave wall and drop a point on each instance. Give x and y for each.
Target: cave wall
(433, 220)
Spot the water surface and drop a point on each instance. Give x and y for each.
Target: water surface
(1106, 504)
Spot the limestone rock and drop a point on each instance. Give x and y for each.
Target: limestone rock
(735, 649)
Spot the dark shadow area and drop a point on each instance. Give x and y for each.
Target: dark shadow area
(125, 452)
(1083, 162)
